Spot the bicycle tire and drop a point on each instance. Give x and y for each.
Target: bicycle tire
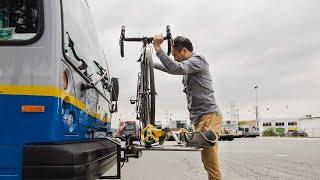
(152, 91)
(148, 100)
(141, 100)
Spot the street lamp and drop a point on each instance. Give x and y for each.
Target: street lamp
(257, 108)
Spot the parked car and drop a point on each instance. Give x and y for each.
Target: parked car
(129, 128)
(302, 133)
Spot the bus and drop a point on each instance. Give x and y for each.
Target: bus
(249, 131)
(56, 94)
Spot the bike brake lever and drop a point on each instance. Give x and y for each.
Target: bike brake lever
(169, 39)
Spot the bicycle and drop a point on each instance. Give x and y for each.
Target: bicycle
(145, 96)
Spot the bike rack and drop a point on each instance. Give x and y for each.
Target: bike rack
(135, 151)
(119, 160)
(128, 152)
(177, 147)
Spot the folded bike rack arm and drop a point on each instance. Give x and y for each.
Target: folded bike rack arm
(176, 148)
(119, 160)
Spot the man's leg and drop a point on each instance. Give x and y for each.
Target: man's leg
(210, 154)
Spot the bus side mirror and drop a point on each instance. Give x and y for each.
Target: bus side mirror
(115, 89)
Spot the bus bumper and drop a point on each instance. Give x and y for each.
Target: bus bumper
(75, 161)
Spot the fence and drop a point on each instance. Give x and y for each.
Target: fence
(312, 132)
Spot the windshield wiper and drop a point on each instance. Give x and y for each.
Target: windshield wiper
(104, 77)
(83, 65)
(102, 71)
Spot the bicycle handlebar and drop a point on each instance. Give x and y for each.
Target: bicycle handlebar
(146, 40)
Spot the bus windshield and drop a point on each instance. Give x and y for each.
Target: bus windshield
(19, 20)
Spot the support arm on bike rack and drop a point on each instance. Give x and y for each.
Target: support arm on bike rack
(129, 151)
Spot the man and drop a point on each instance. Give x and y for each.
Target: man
(197, 82)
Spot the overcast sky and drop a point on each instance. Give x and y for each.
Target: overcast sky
(270, 43)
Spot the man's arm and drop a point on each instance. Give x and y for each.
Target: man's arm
(160, 67)
(189, 66)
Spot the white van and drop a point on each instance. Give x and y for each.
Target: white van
(56, 94)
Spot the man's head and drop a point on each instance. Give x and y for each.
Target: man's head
(181, 48)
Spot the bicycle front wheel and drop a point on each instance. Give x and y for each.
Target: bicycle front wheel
(149, 90)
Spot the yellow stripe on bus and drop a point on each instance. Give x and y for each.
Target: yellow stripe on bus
(47, 91)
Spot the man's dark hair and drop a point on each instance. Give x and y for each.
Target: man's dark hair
(181, 42)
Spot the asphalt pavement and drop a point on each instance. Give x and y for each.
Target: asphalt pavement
(241, 159)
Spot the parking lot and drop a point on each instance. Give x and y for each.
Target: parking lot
(245, 158)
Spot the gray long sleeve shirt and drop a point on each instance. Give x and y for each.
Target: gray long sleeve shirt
(197, 83)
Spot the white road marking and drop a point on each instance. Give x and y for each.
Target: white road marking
(280, 155)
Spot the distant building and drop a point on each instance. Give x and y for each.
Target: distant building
(251, 123)
(281, 125)
(309, 125)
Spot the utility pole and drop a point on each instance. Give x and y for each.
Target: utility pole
(168, 118)
(237, 115)
(232, 106)
(234, 113)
